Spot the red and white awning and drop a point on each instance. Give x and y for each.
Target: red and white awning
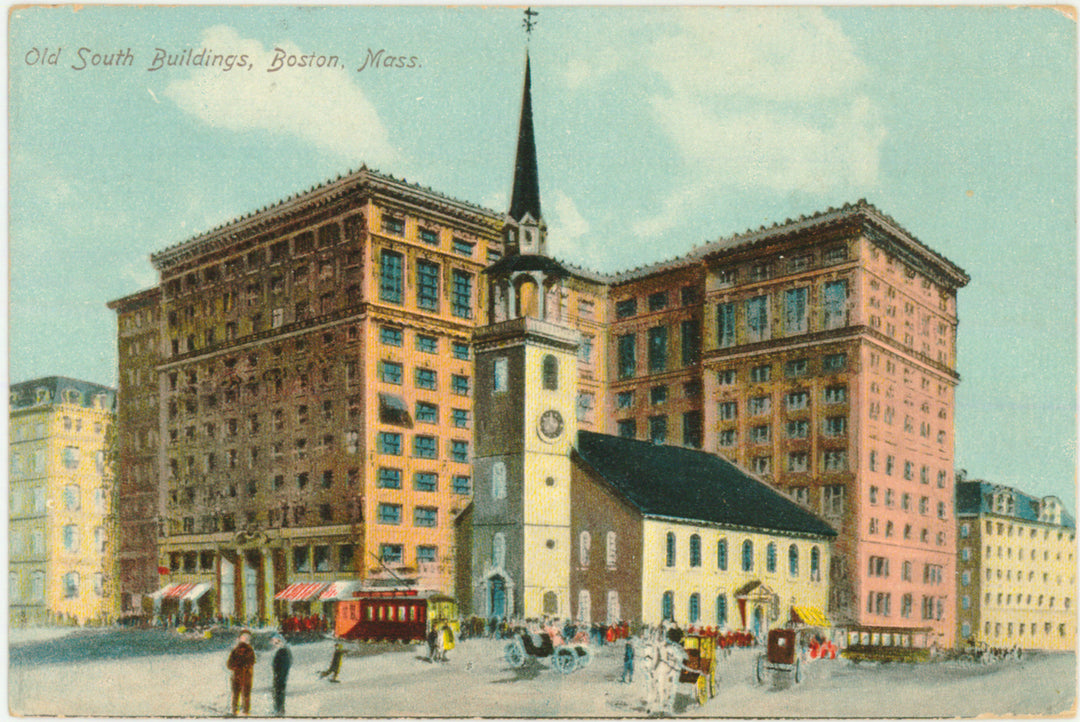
(301, 591)
(340, 590)
(179, 590)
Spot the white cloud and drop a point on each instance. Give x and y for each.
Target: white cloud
(767, 99)
(320, 106)
(588, 65)
(567, 222)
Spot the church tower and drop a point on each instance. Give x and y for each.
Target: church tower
(526, 425)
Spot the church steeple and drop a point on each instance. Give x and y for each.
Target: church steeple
(526, 194)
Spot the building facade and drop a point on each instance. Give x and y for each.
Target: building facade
(138, 345)
(61, 552)
(1016, 568)
(317, 371)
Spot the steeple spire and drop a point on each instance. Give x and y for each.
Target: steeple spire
(525, 197)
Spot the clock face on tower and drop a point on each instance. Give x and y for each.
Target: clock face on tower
(551, 425)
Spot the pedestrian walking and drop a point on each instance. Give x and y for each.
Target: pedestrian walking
(335, 663)
(281, 664)
(628, 663)
(241, 663)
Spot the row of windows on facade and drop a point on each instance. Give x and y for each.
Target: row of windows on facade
(905, 502)
(762, 270)
(391, 478)
(657, 349)
(747, 558)
(1007, 575)
(874, 528)
(880, 603)
(909, 474)
(693, 608)
(998, 627)
(395, 553)
(395, 226)
(549, 381)
(658, 429)
(227, 303)
(656, 301)
(286, 515)
(392, 372)
(33, 464)
(831, 426)
(232, 428)
(70, 540)
(757, 312)
(327, 236)
(276, 382)
(69, 584)
(427, 281)
(1004, 529)
(230, 458)
(878, 566)
(1005, 600)
(424, 343)
(233, 365)
(1006, 552)
(832, 460)
(423, 516)
(32, 501)
(658, 395)
(794, 399)
(67, 396)
(391, 443)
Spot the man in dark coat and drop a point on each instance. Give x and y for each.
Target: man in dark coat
(281, 664)
(335, 663)
(241, 663)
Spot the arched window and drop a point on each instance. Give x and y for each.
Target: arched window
(667, 606)
(721, 555)
(551, 373)
(815, 564)
(793, 560)
(498, 550)
(584, 546)
(695, 550)
(612, 552)
(695, 608)
(498, 480)
(584, 610)
(551, 603)
(748, 556)
(671, 549)
(721, 610)
(770, 558)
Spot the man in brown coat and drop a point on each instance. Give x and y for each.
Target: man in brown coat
(241, 662)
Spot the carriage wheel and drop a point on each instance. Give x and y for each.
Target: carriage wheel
(759, 670)
(701, 689)
(565, 660)
(798, 671)
(714, 680)
(515, 654)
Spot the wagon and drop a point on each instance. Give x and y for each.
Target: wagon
(781, 656)
(699, 668)
(543, 646)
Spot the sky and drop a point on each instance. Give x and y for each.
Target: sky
(658, 129)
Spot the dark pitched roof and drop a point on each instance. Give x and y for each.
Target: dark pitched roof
(525, 197)
(672, 481)
(527, 262)
(976, 497)
(24, 393)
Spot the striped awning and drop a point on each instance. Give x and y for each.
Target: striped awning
(340, 590)
(161, 592)
(178, 591)
(809, 616)
(196, 592)
(301, 591)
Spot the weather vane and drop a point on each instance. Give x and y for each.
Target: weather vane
(528, 21)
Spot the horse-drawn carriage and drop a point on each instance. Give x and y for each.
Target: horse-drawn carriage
(550, 647)
(781, 655)
(699, 668)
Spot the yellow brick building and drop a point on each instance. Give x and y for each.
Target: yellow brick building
(60, 551)
(1016, 568)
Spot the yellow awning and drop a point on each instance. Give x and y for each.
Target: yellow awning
(809, 616)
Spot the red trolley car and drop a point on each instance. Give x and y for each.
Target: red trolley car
(395, 615)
